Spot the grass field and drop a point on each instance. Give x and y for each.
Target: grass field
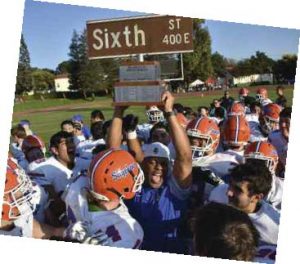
(47, 123)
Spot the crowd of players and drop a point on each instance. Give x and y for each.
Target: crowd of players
(206, 182)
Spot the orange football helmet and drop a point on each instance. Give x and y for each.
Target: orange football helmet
(114, 173)
(243, 92)
(262, 150)
(206, 129)
(182, 120)
(261, 93)
(270, 118)
(18, 193)
(236, 131)
(237, 108)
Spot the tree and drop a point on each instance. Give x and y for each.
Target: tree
(24, 83)
(63, 68)
(261, 63)
(43, 80)
(86, 75)
(219, 64)
(198, 64)
(285, 68)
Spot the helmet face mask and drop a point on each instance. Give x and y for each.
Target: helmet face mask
(269, 124)
(18, 194)
(155, 115)
(204, 136)
(204, 148)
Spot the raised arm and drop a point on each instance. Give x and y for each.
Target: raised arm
(114, 139)
(183, 163)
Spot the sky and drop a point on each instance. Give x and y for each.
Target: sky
(48, 29)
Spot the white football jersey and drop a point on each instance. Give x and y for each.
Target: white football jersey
(84, 148)
(280, 143)
(218, 163)
(266, 221)
(23, 227)
(52, 172)
(256, 133)
(119, 226)
(18, 154)
(143, 131)
(265, 101)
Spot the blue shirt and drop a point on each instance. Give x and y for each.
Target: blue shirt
(160, 213)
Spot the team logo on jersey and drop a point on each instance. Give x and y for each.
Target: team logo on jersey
(119, 174)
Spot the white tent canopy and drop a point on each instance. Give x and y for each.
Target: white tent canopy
(195, 83)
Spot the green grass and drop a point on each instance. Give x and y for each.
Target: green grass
(48, 123)
(38, 104)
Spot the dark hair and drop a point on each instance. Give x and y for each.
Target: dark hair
(55, 140)
(179, 108)
(66, 122)
(18, 131)
(253, 105)
(286, 112)
(221, 231)
(157, 126)
(106, 126)
(200, 107)
(97, 114)
(34, 154)
(256, 174)
(97, 130)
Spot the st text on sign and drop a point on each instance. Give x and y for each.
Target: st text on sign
(141, 35)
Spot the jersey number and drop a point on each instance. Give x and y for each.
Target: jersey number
(113, 233)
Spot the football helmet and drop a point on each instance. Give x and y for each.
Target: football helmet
(261, 93)
(270, 118)
(154, 114)
(262, 150)
(113, 174)
(182, 120)
(207, 130)
(236, 131)
(237, 108)
(18, 193)
(243, 92)
(32, 141)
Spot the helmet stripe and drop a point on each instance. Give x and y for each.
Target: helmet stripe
(197, 123)
(258, 146)
(237, 128)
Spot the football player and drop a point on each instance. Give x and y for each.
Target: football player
(97, 198)
(248, 186)
(266, 152)
(262, 96)
(160, 205)
(154, 115)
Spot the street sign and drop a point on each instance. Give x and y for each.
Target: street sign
(139, 35)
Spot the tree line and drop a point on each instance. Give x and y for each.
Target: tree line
(99, 75)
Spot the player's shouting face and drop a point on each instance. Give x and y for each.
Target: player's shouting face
(155, 170)
(66, 152)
